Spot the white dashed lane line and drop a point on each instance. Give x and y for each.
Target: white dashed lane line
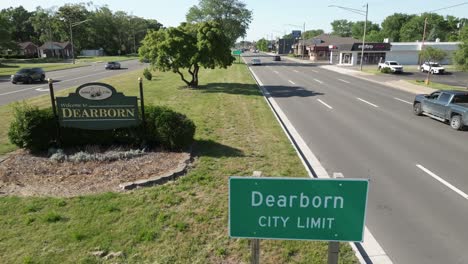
(295, 70)
(291, 82)
(325, 104)
(444, 182)
(343, 80)
(276, 72)
(314, 71)
(369, 103)
(401, 100)
(319, 81)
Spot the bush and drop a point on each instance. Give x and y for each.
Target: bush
(32, 128)
(386, 70)
(148, 75)
(167, 128)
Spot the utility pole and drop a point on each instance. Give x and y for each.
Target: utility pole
(364, 36)
(303, 41)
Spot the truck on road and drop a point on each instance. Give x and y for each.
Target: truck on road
(445, 106)
(394, 66)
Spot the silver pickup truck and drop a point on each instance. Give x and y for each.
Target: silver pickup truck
(451, 106)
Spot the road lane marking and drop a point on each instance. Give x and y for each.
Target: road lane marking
(343, 81)
(401, 100)
(319, 81)
(291, 82)
(325, 104)
(295, 71)
(374, 105)
(276, 72)
(314, 71)
(42, 89)
(433, 175)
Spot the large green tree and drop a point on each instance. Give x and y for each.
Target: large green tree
(308, 34)
(436, 27)
(342, 27)
(262, 44)
(460, 57)
(357, 29)
(20, 25)
(232, 15)
(189, 47)
(392, 25)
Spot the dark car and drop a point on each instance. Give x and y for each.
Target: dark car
(276, 58)
(28, 75)
(112, 65)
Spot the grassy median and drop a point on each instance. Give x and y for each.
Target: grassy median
(184, 221)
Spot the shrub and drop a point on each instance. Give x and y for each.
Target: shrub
(168, 128)
(386, 70)
(147, 73)
(32, 128)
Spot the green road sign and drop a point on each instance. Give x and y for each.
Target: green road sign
(297, 209)
(236, 52)
(97, 106)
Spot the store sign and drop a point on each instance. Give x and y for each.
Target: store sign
(294, 208)
(371, 47)
(296, 33)
(97, 106)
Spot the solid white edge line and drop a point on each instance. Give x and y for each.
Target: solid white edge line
(291, 82)
(42, 89)
(374, 105)
(373, 251)
(401, 100)
(319, 81)
(325, 104)
(446, 183)
(343, 81)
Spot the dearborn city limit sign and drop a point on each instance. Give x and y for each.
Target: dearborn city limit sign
(97, 106)
(297, 208)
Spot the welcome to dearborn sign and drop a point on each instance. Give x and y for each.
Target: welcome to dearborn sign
(293, 208)
(97, 106)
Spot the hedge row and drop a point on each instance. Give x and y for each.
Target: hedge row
(36, 129)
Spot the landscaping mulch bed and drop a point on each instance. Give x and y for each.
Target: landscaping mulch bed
(24, 174)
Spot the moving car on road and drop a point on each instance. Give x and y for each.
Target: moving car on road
(394, 66)
(112, 65)
(28, 75)
(451, 106)
(256, 61)
(432, 67)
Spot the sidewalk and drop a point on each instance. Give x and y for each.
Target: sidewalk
(395, 84)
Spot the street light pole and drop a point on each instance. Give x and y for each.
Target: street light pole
(364, 36)
(71, 37)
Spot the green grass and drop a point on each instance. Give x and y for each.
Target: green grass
(435, 85)
(7, 69)
(184, 221)
(83, 59)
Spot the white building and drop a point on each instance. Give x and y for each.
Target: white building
(407, 53)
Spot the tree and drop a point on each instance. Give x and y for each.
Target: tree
(188, 46)
(312, 33)
(460, 57)
(232, 15)
(357, 29)
(5, 35)
(21, 28)
(436, 27)
(432, 54)
(342, 27)
(262, 44)
(392, 25)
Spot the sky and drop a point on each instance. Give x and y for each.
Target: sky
(271, 18)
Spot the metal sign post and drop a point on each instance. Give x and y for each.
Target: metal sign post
(255, 243)
(54, 108)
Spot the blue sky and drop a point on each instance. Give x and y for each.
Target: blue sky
(271, 17)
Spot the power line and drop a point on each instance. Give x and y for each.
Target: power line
(464, 3)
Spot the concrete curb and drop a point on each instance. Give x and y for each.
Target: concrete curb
(172, 175)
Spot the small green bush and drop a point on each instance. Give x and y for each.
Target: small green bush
(147, 73)
(32, 128)
(168, 128)
(386, 70)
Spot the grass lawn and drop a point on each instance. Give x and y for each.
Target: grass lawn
(8, 69)
(438, 86)
(184, 221)
(105, 58)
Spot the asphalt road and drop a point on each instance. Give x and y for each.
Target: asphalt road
(449, 78)
(365, 130)
(63, 79)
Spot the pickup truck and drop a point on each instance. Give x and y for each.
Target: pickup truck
(393, 65)
(445, 106)
(432, 67)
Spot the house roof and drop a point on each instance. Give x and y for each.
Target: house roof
(54, 45)
(328, 39)
(24, 45)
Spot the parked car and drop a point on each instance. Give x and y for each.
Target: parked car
(28, 75)
(256, 61)
(445, 106)
(276, 58)
(432, 67)
(112, 65)
(394, 66)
